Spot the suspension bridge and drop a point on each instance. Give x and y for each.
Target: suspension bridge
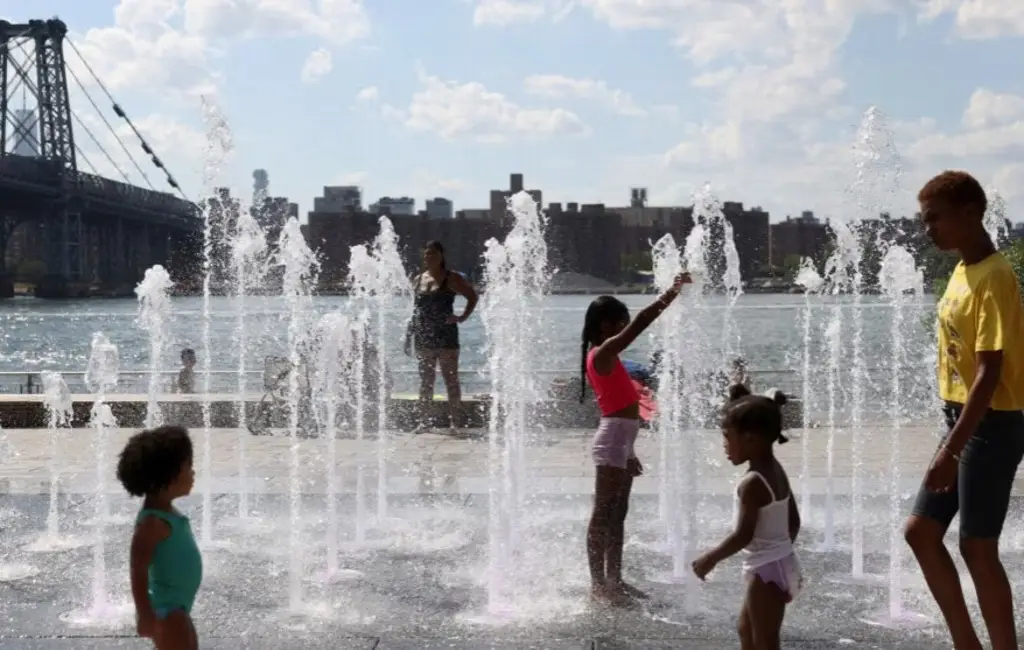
(81, 232)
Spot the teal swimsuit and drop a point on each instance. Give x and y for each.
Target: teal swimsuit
(177, 566)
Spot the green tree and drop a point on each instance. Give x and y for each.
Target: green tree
(638, 261)
(1014, 254)
(790, 267)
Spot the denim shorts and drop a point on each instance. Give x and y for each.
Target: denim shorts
(988, 466)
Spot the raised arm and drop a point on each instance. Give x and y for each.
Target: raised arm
(606, 353)
(464, 288)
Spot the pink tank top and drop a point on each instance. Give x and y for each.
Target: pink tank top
(615, 391)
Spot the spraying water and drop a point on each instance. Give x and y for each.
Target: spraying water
(219, 145)
(248, 258)
(995, 217)
(900, 281)
(57, 401)
(154, 294)
(844, 260)
(101, 378)
(516, 277)
(361, 265)
(300, 271)
(334, 386)
(878, 172)
(667, 263)
(808, 278)
(698, 387)
(377, 276)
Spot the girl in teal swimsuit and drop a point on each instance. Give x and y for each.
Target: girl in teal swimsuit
(166, 566)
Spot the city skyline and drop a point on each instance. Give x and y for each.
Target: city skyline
(762, 101)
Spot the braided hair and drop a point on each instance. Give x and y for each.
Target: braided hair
(603, 309)
(755, 413)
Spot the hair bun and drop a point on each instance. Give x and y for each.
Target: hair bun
(777, 396)
(736, 391)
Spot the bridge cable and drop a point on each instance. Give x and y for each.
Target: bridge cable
(35, 91)
(120, 113)
(112, 131)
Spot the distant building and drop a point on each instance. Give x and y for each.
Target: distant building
(25, 133)
(440, 208)
(260, 183)
(803, 236)
(339, 199)
(499, 198)
(387, 205)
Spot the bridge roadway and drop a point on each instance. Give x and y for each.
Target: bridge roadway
(93, 233)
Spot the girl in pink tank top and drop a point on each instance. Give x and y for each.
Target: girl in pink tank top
(607, 331)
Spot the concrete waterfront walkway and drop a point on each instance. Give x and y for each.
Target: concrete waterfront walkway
(438, 462)
(420, 583)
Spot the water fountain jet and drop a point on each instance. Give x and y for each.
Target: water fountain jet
(377, 277)
(898, 277)
(219, 143)
(58, 404)
(516, 280)
(301, 268)
(249, 259)
(811, 282)
(154, 295)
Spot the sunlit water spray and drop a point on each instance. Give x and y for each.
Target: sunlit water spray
(809, 279)
(339, 341)
(101, 378)
(378, 280)
(249, 262)
(671, 425)
(667, 263)
(901, 282)
(219, 144)
(878, 171)
(516, 281)
(300, 272)
(154, 295)
(840, 277)
(58, 405)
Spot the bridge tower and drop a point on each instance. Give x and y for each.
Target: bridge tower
(35, 115)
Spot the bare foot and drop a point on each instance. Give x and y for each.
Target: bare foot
(630, 590)
(613, 597)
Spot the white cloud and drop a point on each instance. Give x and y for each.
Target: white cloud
(987, 108)
(334, 21)
(166, 46)
(506, 12)
(368, 94)
(318, 65)
(456, 110)
(558, 86)
(979, 19)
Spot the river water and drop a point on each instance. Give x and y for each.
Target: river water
(41, 335)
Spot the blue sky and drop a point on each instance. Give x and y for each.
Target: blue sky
(585, 97)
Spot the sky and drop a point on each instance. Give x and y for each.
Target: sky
(836, 106)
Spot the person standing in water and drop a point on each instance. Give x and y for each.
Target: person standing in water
(607, 332)
(981, 381)
(768, 520)
(166, 567)
(434, 328)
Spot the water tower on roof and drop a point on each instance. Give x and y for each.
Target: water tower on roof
(638, 197)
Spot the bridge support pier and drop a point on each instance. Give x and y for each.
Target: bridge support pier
(63, 248)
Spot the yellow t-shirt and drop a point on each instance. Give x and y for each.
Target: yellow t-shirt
(981, 311)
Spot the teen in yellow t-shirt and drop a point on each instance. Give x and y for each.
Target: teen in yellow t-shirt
(981, 380)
